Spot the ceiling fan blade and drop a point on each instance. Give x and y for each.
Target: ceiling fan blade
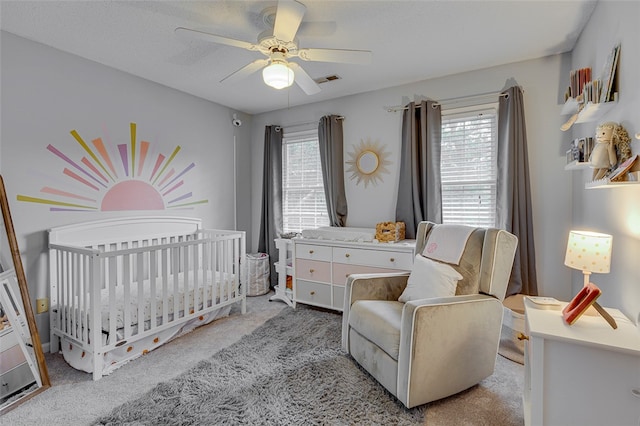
(288, 18)
(303, 80)
(246, 70)
(346, 56)
(213, 38)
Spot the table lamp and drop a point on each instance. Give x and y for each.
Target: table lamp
(589, 252)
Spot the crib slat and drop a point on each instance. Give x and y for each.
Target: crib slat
(153, 274)
(140, 283)
(126, 271)
(111, 265)
(165, 286)
(185, 281)
(175, 269)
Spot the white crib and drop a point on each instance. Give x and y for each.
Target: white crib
(142, 280)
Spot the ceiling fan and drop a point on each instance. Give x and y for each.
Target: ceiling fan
(279, 45)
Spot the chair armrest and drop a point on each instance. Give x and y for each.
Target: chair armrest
(387, 286)
(447, 345)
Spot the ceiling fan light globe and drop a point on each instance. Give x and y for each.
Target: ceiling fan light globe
(278, 76)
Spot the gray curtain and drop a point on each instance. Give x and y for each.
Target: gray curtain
(513, 192)
(419, 188)
(271, 215)
(331, 159)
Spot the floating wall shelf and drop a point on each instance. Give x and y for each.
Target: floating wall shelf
(590, 112)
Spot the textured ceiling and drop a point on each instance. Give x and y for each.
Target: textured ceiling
(410, 40)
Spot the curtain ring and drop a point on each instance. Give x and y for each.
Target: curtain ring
(278, 128)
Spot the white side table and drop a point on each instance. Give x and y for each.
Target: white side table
(581, 374)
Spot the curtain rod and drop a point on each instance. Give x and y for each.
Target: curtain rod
(309, 122)
(450, 100)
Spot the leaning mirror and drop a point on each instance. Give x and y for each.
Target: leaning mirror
(23, 372)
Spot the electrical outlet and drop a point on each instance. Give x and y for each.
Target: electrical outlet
(42, 305)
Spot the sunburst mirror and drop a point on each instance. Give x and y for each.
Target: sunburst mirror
(367, 162)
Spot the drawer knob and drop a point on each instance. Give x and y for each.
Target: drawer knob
(347, 255)
(393, 259)
(312, 293)
(311, 271)
(522, 336)
(310, 251)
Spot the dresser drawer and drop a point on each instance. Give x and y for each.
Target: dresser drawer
(313, 293)
(15, 379)
(378, 258)
(342, 270)
(11, 358)
(313, 270)
(313, 252)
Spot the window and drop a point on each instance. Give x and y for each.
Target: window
(303, 202)
(469, 165)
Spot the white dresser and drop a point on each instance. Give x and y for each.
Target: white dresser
(321, 267)
(581, 374)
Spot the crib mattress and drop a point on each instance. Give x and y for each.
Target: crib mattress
(216, 290)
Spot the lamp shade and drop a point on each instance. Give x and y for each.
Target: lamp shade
(278, 75)
(589, 251)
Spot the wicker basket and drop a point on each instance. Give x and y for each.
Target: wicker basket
(390, 231)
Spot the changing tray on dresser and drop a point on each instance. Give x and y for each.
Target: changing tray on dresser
(321, 267)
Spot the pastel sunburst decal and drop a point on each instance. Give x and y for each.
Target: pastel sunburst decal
(368, 161)
(133, 179)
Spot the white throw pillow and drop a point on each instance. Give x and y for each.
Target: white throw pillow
(429, 279)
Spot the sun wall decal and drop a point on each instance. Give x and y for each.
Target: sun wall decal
(136, 182)
(367, 162)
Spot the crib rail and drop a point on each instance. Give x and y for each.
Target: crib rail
(106, 294)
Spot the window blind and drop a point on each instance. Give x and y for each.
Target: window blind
(469, 167)
(303, 201)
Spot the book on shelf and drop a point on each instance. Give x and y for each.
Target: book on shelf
(577, 81)
(622, 169)
(609, 75)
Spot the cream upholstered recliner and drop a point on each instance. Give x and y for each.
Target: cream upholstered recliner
(428, 349)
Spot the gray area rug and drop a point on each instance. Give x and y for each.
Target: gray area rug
(292, 371)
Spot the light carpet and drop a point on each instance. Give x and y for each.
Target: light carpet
(292, 370)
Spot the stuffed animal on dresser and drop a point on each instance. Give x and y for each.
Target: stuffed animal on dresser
(612, 145)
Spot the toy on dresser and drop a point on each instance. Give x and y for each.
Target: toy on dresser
(390, 231)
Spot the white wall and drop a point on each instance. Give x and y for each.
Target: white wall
(47, 93)
(615, 211)
(366, 117)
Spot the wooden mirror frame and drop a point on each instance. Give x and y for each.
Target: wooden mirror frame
(26, 301)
